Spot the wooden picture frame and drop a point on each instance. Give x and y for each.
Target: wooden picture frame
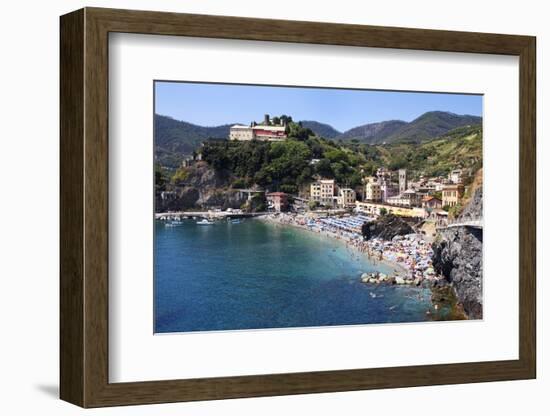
(84, 207)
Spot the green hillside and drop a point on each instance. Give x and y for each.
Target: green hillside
(287, 166)
(373, 132)
(459, 148)
(433, 124)
(429, 125)
(175, 139)
(321, 129)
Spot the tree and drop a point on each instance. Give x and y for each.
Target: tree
(455, 210)
(288, 188)
(296, 131)
(313, 205)
(383, 211)
(160, 178)
(180, 176)
(238, 184)
(324, 168)
(216, 155)
(256, 204)
(286, 119)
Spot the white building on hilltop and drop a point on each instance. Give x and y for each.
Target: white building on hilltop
(267, 131)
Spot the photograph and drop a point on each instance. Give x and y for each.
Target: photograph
(286, 206)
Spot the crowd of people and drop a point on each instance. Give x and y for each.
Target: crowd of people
(410, 255)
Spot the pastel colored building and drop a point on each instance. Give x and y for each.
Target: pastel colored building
(346, 197)
(322, 191)
(375, 209)
(373, 191)
(451, 194)
(431, 202)
(277, 201)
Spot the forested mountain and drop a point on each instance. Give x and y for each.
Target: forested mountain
(321, 129)
(427, 126)
(175, 139)
(286, 165)
(433, 124)
(374, 132)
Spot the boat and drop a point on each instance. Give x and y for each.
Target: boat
(173, 223)
(235, 221)
(204, 222)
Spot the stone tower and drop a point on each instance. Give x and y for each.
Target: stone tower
(402, 180)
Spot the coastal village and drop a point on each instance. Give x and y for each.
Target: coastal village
(422, 205)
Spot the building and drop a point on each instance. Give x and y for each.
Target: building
(188, 161)
(277, 201)
(346, 197)
(258, 132)
(409, 198)
(372, 208)
(373, 191)
(431, 202)
(451, 194)
(241, 132)
(439, 217)
(382, 173)
(402, 180)
(455, 176)
(322, 191)
(388, 190)
(267, 131)
(168, 195)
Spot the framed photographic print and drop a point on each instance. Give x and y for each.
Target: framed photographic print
(255, 207)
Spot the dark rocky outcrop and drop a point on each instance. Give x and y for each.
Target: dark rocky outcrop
(458, 256)
(202, 188)
(386, 227)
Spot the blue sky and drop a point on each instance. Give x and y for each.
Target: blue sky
(216, 104)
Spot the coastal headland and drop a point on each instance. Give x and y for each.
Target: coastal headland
(411, 205)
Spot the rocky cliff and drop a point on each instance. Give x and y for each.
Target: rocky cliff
(458, 256)
(386, 227)
(200, 188)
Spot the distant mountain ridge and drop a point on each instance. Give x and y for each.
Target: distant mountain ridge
(321, 129)
(174, 138)
(374, 132)
(427, 126)
(184, 137)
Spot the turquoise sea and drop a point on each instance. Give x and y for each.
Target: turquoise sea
(255, 275)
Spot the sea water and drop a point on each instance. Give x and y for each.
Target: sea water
(255, 275)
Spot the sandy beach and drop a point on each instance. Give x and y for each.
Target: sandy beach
(410, 257)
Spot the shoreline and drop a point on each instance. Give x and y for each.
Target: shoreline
(348, 242)
(405, 272)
